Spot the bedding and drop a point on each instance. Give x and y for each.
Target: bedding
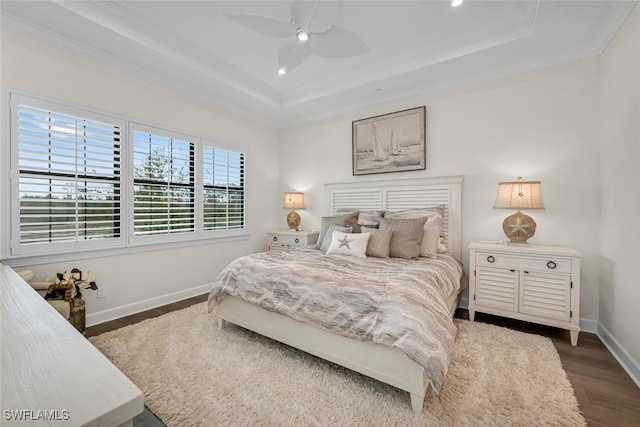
(392, 302)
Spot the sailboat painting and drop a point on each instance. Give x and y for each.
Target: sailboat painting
(391, 142)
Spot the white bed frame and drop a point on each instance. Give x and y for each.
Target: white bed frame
(389, 365)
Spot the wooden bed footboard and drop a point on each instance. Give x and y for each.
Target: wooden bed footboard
(389, 365)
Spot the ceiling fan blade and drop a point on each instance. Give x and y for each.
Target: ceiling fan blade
(315, 16)
(337, 43)
(293, 54)
(260, 24)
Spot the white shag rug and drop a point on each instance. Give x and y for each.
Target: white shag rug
(193, 374)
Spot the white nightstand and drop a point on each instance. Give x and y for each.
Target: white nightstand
(285, 239)
(539, 284)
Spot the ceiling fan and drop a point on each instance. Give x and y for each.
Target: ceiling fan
(312, 25)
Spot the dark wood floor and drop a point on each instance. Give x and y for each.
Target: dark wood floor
(606, 394)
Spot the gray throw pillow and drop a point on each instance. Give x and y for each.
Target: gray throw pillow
(352, 220)
(406, 237)
(326, 242)
(342, 220)
(379, 242)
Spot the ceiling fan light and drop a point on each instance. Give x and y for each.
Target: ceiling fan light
(456, 3)
(303, 36)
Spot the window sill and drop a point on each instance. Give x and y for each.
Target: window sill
(36, 259)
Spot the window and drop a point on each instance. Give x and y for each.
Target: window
(68, 185)
(164, 184)
(84, 182)
(223, 189)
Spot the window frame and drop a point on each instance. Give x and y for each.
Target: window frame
(25, 254)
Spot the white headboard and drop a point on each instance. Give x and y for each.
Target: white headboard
(399, 194)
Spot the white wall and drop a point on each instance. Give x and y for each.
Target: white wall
(541, 125)
(620, 189)
(130, 279)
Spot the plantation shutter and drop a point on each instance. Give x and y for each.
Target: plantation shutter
(69, 177)
(223, 188)
(164, 184)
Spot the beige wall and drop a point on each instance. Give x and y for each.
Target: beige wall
(130, 279)
(540, 125)
(619, 154)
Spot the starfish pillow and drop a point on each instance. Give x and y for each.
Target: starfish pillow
(353, 244)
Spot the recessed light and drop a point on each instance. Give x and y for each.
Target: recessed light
(282, 71)
(303, 36)
(456, 3)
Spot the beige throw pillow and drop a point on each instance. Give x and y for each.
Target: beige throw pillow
(406, 237)
(432, 227)
(379, 242)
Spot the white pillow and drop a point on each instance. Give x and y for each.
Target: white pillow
(326, 242)
(352, 244)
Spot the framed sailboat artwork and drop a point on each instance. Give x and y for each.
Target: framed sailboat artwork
(393, 142)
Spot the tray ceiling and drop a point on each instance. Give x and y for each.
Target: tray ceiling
(417, 47)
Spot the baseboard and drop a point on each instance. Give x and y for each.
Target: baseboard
(137, 307)
(464, 303)
(628, 363)
(588, 325)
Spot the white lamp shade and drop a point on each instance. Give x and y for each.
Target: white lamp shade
(519, 195)
(293, 200)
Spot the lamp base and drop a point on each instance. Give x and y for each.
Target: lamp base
(293, 220)
(519, 228)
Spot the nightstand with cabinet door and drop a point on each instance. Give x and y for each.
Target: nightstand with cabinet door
(285, 239)
(539, 284)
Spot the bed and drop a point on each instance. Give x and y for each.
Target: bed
(387, 358)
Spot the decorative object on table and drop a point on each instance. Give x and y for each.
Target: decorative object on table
(391, 142)
(293, 200)
(519, 195)
(78, 280)
(67, 286)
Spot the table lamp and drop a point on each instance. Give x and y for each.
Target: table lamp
(293, 200)
(519, 195)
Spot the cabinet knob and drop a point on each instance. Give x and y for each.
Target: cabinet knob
(490, 258)
(297, 240)
(275, 238)
(551, 265)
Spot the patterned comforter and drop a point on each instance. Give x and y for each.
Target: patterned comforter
(393, 302)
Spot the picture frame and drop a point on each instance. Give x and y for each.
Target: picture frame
(393, 142)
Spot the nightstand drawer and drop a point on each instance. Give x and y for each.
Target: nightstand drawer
(500, 260)
(285, 239)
